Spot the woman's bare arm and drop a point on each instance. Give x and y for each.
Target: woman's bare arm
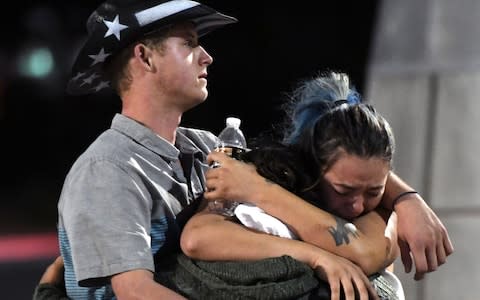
(208, 236)
(367, 245)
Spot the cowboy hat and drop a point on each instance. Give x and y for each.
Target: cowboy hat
(116, 24)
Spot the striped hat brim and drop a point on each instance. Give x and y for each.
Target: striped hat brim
(112, 28)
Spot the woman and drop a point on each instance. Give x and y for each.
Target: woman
(337, 156)
(327, 131)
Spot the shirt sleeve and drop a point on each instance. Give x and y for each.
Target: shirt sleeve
(106, 215)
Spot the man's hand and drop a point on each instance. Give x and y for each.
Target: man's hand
(54, 273)
(52, 285)
(422, 236)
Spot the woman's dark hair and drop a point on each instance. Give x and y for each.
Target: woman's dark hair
(327, 119)
(281, 164)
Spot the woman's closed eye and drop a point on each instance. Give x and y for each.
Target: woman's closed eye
(344, 192)
(375, 192)
(351, 192)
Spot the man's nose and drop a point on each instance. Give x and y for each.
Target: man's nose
(205, 58)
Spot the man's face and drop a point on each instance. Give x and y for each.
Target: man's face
(182, 67)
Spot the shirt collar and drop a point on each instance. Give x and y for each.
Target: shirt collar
(149, 139)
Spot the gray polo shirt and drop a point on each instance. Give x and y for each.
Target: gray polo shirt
(124, 202)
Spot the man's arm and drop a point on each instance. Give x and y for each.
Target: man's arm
(422, 236)
(139, 284)
(116, 249)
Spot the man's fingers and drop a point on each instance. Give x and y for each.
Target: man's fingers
(447, 244)
(432, 261)
(405, 254)
(421, 263)
(425, 263)
(441, 255)
(58, 261)
(54, 272)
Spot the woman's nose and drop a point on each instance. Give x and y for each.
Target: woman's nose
(357, 205)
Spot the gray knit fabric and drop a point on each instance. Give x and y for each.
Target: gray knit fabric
(274, 278)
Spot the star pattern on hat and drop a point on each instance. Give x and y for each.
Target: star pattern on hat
(100, 57)
(78, 76)
(114, 27)
(89, 79)
(101, 85)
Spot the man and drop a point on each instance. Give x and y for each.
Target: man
(126, 199)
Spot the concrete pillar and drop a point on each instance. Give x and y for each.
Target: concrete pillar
(424, 76)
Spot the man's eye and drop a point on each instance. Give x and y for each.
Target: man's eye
(191, 43)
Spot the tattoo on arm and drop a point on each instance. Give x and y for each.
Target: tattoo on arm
(342, 230)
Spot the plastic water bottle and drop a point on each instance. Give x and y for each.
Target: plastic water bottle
(231, 138)
(232, 142)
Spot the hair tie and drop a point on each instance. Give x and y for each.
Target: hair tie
(340, 102)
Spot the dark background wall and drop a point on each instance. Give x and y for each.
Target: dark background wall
(256, 61)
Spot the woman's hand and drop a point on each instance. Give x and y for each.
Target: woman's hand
(232, 180)
(341, 274)
(208, 236)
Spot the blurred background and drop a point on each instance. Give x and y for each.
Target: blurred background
(417, 61)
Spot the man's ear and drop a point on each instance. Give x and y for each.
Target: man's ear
(143, 54)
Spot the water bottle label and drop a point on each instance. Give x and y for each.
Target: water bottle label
(233, 152)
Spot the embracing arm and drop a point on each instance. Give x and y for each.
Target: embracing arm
(366, 246)
(136, 284)
(423, 239)
(365, 243)
(139, 284)
(209, 236)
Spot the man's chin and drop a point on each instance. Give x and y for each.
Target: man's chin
(195, 103)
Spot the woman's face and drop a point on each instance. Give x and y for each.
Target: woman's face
(354, 185)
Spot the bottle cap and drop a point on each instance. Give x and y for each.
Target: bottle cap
(233, 122)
